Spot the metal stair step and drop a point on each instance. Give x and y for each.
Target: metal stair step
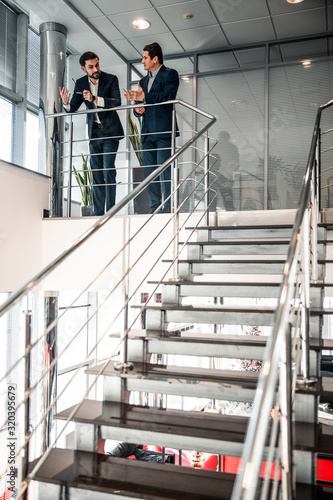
(157, 316)
(207, 432)
(201, 249)
(90, 475)
(184, 381)
(204, 431)
(249, 232)
(211, 345)
(222, 289)
(172, 291)
(146, 480)
(226, 266)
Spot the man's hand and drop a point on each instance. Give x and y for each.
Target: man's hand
(65, 95)
(140, 111)
(135, 95)
(87, 95)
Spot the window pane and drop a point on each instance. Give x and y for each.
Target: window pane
(8, 42)
(237, 100)
(296, 92)
(6, 128)
(31, 142)
(33, 68)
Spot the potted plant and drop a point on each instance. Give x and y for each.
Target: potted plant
(84, 180)
(141, 202)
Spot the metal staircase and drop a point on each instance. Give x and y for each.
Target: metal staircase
(268, 277)
(203, 274)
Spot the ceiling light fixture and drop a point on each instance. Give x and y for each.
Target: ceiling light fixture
(140, 24)
(294, 1)
(306, 64)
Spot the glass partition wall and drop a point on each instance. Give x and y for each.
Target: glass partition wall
(265, 99)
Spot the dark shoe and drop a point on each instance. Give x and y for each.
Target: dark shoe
(166, 210)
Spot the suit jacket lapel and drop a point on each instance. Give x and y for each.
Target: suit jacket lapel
(144, 83)
(158, 77)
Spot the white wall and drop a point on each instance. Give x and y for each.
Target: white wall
(23, 196)
(86, 262)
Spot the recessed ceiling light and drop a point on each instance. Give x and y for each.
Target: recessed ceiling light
(185, 78)
(294, 1)
(306, 64)
(140, 24)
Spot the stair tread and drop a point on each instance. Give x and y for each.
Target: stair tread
(206, 425)
(238, 260)
(189, 423)
(88, 470)
(152, 371)
(146, 480)
(314, 311)
(211, 338)
(255, 226)
(321, 344)
(318, 284)
(255, 241)
(238, 241)
(217, 283)
(208, 308)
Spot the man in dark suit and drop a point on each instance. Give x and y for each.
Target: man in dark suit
(160, 85)
(99, 90)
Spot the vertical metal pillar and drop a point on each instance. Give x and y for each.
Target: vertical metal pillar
(52, 76)
(206, 182)
(305, 296)
(315, 212)
(286, 420)
(51, 352)
(266, 127)
(69, 189)
(25, 459)
(175, 196)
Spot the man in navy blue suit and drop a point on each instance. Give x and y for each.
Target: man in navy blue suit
(99, 90)
(159, 85)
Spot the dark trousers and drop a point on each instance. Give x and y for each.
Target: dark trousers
(159, 152)
(103, 170)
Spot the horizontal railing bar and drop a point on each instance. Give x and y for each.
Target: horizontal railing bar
(15, 297)
(132, 106)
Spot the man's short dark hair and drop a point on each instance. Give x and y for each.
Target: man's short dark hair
(154, 49)
(86, 57)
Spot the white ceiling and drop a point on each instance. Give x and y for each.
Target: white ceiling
(215, 23)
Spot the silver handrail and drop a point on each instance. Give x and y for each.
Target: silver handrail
(247, 480)
(18, 294)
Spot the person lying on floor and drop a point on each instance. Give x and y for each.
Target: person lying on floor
(123, 450)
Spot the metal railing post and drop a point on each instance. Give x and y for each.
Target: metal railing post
(206, 182)
(175, 196)
(286, 421)
(305, 301)
(25, 459)
(315, 213)
(69, 190)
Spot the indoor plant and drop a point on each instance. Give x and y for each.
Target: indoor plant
(84, 180)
